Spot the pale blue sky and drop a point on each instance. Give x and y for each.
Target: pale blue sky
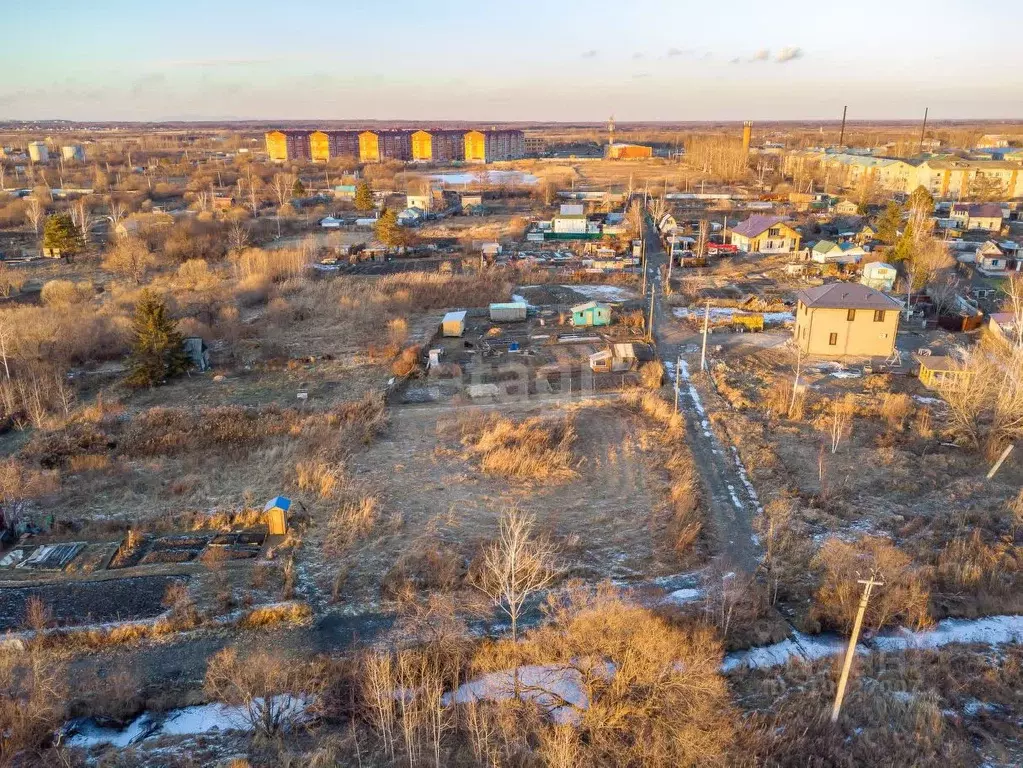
(508, 59)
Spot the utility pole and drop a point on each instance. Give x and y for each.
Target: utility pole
(841, 135)
(868, 585)
(650, 326)
(923, 129)
(706, 326)
(795, 384)
(1002, 458)
(671, 261)
(642, 262)
(678, 366)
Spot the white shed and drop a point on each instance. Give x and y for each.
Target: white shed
(508, 312)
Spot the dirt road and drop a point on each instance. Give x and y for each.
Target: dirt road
(731, 499)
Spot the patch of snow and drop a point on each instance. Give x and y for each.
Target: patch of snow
(735, 499)
(603, 292)
(846, 374)
(683, 371)
(557, 689)
(725, 314)
(682, 596)
(88, 734)
(521, 298)
(990, 630)
(974, 706)
(187, 721)
(928, 400)
(746, 482)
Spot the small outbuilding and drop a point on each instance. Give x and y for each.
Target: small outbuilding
(276, 513)
(508, 312)
(198, 352)
(943, 373)
(592, 313)
(879, 276)
(453, 323)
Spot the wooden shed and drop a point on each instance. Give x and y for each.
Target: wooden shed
(453, 323)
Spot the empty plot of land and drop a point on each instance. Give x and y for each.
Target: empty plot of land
(440, 501)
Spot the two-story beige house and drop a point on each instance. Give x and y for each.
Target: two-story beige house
(846, 320)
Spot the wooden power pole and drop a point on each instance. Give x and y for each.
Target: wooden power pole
(650, 324)
(868, 585)
(706, 327)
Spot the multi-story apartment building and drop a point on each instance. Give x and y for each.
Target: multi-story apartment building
(441, 145)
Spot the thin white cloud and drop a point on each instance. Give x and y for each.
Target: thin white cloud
(214, 63)
(788, 53)
(637, 56)
(679, 51)
(590, 54)
(762, 55)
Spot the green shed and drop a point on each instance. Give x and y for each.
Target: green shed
(591, 313)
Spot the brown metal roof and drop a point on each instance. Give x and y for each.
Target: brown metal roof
(847, 296)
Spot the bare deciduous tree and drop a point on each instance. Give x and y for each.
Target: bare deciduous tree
(35, 212)
(1013, 289)
(237, 235)
(840, 419)
(282, 185)
(515, 566)
(986, 404)
(83, 218)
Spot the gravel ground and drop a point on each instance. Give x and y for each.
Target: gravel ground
(87, 602)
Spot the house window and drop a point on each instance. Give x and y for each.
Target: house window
(850, 315)
(878, 315)
(833, 340)
(774, 232)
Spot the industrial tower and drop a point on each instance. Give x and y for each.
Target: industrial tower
(747, 136)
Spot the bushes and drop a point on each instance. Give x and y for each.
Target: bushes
(534, 449)
(32, 703)
(896, 410)
(651, 375)
(407, 363)
(903, 598)
(60, 294)
(974, 577)
(656, 697)
(252, 290)
(275, 265)
(273, 691)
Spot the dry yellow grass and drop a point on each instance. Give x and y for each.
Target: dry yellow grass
(534, 449)
(353, 519)
(278, 613)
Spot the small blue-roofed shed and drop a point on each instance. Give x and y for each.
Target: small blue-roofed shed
(276, 511)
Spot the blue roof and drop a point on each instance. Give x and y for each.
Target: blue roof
(278, 501)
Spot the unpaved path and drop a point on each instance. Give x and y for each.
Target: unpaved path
(730, 498)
